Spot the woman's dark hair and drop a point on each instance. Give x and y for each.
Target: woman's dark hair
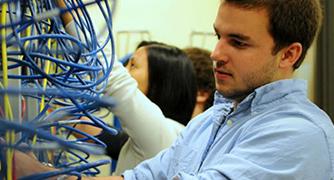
(146, 43)
(172, 81)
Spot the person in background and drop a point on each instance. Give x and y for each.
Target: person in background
(262, 125)
(204, 76)
(205, 88)
(161, 73)
(114, 142)
(166, 76)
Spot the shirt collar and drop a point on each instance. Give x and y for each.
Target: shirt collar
(277, 90)
(222, 107)
(264, 94)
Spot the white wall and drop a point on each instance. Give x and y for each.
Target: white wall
(169, 21)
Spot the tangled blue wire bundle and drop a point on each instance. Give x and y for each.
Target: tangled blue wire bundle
(65, 73)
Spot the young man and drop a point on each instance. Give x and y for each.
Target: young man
(262, 126)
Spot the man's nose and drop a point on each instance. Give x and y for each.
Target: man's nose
(219, 53)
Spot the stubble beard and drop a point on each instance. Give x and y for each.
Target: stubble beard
(252, 81)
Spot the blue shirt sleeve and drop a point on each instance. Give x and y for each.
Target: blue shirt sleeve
(258, 155)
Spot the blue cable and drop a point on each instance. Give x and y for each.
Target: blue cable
(76, 85)
(65, 171)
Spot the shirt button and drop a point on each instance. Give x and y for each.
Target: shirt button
(229, 123)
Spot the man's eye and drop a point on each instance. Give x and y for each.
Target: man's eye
(239, 44)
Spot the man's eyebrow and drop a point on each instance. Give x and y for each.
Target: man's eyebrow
(239, 36)
(234, 35)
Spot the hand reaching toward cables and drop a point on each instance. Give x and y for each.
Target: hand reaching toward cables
(26, 165)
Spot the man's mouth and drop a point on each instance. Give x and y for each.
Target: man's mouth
(221, 71)
(222, 74)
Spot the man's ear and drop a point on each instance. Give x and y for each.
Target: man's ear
(290, 55)
(202, 96)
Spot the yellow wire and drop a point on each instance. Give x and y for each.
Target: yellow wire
(45, 80)
(10, 135)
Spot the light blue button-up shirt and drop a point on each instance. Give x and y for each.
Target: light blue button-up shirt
(274, 133)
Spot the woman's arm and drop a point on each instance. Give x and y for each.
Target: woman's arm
(140, 118)
(148, 129)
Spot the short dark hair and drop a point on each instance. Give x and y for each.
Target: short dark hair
(289, 21)
(172, 81)
(204, 71)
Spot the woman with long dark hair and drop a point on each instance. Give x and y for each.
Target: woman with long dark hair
(154, 113)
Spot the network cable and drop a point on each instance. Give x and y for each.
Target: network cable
(65, 73)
